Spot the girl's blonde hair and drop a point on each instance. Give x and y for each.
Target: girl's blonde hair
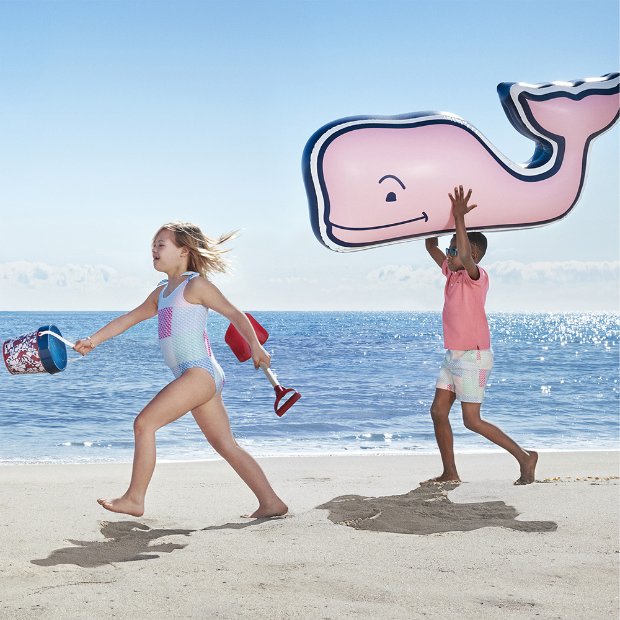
(206, 255)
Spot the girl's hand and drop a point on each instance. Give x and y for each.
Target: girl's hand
(84, 345)
(260, 357)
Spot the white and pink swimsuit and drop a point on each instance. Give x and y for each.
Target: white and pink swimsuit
(183, 337)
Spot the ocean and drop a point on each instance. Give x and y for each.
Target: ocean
(367, 381)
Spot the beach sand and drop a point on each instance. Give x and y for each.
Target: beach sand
(483, 549)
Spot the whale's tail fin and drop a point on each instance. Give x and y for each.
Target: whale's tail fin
(572, 112)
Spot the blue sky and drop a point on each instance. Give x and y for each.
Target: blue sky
(116, 117)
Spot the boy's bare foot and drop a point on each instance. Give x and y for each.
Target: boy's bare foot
(443, 479)
(528, 469)
(123, 505)
(275, 509)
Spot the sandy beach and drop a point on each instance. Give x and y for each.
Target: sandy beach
(363, 540)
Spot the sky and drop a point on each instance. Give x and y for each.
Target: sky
(119, 116)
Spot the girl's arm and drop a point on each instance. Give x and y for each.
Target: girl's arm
(201, 291)
(145, 310)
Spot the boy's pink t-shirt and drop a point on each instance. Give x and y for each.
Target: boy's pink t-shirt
(465, 325)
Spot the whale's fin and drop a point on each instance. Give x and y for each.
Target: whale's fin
(560, 111)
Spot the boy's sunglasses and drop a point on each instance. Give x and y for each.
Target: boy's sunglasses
(452, 251)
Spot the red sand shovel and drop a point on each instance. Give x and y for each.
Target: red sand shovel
(241, 349)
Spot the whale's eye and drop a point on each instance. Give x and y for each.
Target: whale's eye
(391, 197)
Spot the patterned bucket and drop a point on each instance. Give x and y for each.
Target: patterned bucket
(40, 351)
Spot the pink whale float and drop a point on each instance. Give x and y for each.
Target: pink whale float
(376, 180)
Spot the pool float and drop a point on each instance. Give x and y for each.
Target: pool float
(377, 180)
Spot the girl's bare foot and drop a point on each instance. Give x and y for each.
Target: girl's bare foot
(274, 509)
(444, 478)
(528, 469)
(123, 505)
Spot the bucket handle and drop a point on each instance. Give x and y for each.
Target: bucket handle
(51, 333)
(58, 337)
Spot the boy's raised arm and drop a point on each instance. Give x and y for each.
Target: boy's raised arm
(459, 210)
(432, 247)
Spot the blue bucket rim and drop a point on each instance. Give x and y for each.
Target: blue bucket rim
(48, 361)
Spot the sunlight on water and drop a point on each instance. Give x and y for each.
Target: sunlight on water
(367, 381)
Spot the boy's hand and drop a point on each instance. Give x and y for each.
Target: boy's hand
(459, 203)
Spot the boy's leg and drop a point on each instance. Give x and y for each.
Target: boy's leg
(527, 459)
(175, 400)
(212, 419)
(440, 411)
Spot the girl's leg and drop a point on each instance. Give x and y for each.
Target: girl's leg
(527, 459)
(176, 399)
(440, 411)
(212, 419)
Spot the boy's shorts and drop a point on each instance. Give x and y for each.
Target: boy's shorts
(466, 374)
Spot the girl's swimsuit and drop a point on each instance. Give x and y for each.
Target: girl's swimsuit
(183, 337)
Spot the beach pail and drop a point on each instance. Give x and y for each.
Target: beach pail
(40, 351)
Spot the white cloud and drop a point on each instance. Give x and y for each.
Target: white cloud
(405, 274)
(24, 273)
(506, 272)
(577, 286)
(26, 285)
(554, 272)
(544, 286)
(292, 280)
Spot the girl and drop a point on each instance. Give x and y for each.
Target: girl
(187, 256)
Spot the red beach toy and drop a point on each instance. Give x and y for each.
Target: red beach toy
(241, 349)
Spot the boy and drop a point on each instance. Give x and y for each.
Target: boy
(469, 359)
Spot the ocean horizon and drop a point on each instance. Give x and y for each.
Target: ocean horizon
(367, 381)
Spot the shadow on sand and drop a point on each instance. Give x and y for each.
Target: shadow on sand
(426, 510)
(126, 541)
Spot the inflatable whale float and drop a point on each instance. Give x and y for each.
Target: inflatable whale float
(376, 180)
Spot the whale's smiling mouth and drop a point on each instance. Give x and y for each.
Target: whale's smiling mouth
(424, 217)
